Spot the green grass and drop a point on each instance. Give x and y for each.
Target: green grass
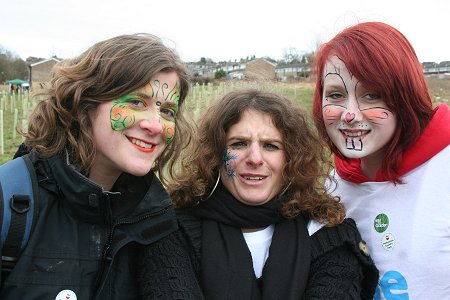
(11, 105)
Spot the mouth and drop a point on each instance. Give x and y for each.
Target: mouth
(353, 133)
(142, 145)
(353, 138)
(251, 178)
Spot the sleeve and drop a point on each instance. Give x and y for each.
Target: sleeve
(341, 266)
(166, 270)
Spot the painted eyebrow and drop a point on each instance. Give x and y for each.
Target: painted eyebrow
(148, 97)
(140, 95)
(169, 104)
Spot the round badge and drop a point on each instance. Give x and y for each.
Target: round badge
(66, 295)
(388, 241)
(381, 223)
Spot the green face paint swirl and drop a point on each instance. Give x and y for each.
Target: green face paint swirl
(120, 115)
(160, 91)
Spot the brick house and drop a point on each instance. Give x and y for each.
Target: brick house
(260, 68)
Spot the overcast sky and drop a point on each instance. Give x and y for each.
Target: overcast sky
(220, 30)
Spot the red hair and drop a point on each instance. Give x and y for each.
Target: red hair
(383, 60)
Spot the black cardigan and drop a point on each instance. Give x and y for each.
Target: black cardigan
(341, 267)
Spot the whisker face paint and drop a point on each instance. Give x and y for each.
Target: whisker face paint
(356, 118)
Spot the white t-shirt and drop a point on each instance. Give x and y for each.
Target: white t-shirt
(407, 229)
(258, 242)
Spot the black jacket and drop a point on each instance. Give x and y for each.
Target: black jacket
(341, 266)
(86, 240)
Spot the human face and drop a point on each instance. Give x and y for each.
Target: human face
(356, 118)
(132, 131)
(254, 159)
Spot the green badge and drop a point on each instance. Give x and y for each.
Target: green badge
(381, 223)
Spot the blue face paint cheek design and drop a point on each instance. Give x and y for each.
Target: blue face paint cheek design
(227, 158)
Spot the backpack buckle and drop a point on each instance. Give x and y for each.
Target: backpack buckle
(20, 203)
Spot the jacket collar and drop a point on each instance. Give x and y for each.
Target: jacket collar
(90, 203)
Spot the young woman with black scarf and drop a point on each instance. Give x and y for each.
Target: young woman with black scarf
(254, 214)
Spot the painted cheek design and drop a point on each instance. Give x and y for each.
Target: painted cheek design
(120, 116)
(377, 115)
(228, 163)
(168, 132)
(159, 91)
(331, 115)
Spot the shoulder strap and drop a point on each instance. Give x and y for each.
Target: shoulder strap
(18, 207)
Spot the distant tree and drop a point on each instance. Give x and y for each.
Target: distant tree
(220, 74)
(11, 66)
(205, 60)
(291, 54)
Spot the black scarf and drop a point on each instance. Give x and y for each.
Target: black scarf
(226, 262)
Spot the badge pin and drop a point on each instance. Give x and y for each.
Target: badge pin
(66, 295)
(388, 241)
(381, 223)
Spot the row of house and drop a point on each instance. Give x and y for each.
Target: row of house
(263, 68)
(256, 68)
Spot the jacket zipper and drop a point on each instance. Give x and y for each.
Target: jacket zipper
(109, 240)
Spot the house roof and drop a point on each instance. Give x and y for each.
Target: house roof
(44, 61)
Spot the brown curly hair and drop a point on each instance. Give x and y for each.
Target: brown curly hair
(304, 173)
(106, 71)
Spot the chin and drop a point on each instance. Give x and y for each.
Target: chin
(140, 170)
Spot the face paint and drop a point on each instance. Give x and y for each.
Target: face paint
(228, 163)
(159, 91)
(168, 107)
(168, 132)
(254, 159)
(121, 116)
(127, 110)
(131, 132)
(357, 119)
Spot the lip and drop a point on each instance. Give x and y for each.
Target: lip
(142, 145)
(252, 179)
(354, 133)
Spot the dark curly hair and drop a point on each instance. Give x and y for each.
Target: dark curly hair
(304, 173)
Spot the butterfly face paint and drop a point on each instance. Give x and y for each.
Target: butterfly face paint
(160, 104)
(132, 131)
(357, 119)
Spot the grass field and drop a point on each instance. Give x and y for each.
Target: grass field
(17, 108)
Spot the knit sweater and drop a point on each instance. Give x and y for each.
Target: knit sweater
(341, 266)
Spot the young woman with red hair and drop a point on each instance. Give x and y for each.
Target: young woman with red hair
(372, 107)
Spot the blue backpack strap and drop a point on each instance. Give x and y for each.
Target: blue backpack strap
(18, 207)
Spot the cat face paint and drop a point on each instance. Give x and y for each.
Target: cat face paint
(357, 119)
(131, 132)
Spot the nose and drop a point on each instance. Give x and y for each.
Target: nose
(153, 125)
(255, 157)
(352, 113)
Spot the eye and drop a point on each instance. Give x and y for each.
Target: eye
(271, 147)
(238, 145)
(335, 95)
(167, 113)
(136, 103)
(370, 96)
